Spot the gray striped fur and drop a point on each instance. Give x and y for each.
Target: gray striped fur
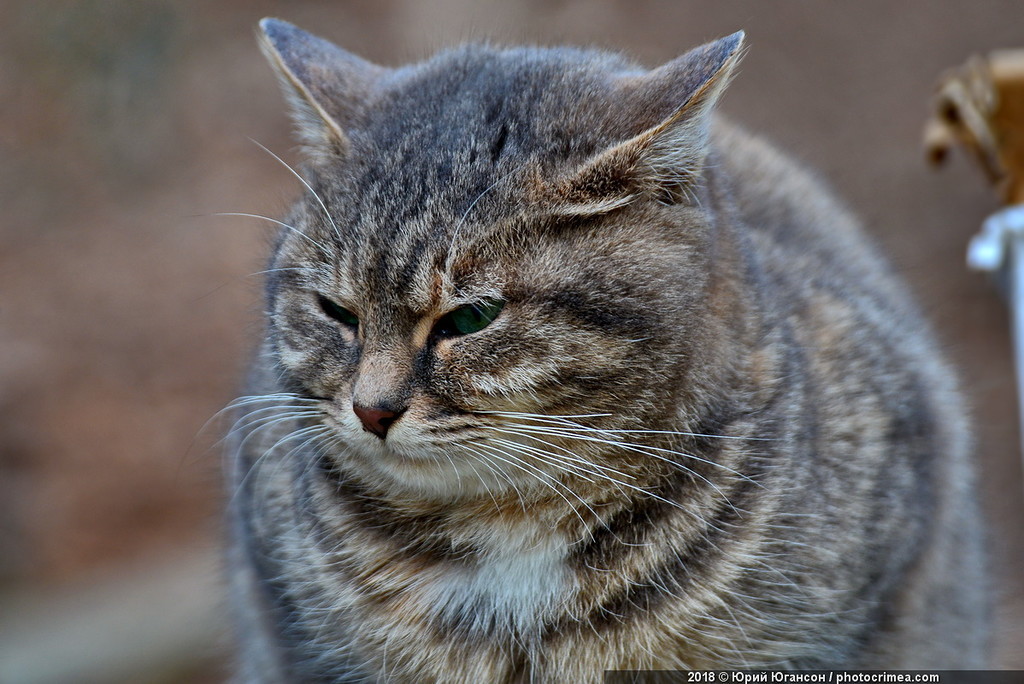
(708, 429)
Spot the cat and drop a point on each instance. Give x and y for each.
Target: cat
(563, 374)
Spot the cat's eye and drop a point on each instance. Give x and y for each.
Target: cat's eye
(469, 318)
(338, 312)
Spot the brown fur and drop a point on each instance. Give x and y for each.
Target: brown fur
(707, 429)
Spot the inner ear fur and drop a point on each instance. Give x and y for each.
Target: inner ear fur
(670, 108)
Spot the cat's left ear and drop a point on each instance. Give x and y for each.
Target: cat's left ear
(324, 84)
(669, 109)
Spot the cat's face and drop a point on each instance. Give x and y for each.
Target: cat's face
(469, 295)
(452, 334)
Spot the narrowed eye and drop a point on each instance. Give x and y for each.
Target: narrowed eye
(338, 312)
(469, 319)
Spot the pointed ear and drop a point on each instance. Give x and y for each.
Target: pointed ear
(324, 84)
(669, 109)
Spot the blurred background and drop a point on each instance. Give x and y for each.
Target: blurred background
(127, 310)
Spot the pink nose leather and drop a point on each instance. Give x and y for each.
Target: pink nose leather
(376, 420)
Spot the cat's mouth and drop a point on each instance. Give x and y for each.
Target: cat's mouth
(421, 470)
(452, 459)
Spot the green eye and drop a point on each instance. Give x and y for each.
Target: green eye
(469, 319)
(338, 312)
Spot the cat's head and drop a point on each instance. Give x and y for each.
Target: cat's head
(499, 249)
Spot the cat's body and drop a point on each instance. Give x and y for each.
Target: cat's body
(692, 422)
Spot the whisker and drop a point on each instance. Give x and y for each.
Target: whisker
(277, 396)
(543, 478)
(559, 420)
(462, 219)
(648, 451)
(498, 472)
(479, 477)
(567, 454)
(617, 483)
(248, 400)
(282, 269)
(565, 464)
(308, 186)
(267, 425)
(544, 457)
(309, 440)
(559, 417)
(280, 223)
(286, 413)
(295, 434)
(272, 418)
(638, 448)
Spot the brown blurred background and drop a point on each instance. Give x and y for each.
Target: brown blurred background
(127, 310)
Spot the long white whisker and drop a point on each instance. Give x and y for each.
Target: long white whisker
(648, 451)
(285, 460)
(263, 398)
(617, 483)
(486, 462)
(543, 478)
(462, 219)
(280, 223)
(281, 270)
(555, 417)
(561, 420)
(308, 186)
(249, 400)
(562, 463)
(540, 454)
(483, 483)
(639, 448)
(270, 422)
(266, 421)
(303, 432)
(591, 467)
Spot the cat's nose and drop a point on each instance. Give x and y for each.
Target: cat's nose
(377, 420)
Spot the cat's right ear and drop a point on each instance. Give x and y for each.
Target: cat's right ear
(324, 84)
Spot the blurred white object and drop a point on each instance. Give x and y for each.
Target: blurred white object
(1000, 235)
(999, 249)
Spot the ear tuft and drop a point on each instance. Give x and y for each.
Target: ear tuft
(325, 85)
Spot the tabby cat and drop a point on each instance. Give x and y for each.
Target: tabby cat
(562, 375)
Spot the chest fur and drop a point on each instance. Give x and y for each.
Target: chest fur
(517, 580)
